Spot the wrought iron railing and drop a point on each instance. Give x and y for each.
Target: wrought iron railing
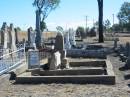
(11, 59)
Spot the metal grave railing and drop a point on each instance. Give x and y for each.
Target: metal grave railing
(11, 60)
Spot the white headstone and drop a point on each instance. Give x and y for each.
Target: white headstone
(32, 37)
(55, 61)
(67, 41)
(12, 31)
(72, 37)
(5, 28)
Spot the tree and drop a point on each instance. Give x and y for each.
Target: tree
(107, 25)
(124, 15)
(80, 32)
(46, 6)
(43, 25)
(100, 8)
(117, 27)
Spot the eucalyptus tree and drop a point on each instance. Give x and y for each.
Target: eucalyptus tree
(124, 16)
(100, 8)
(44, 7)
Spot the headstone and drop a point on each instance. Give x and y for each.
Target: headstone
(59, 42)
(5, 28)
(31, 37)
(4, 39)
(72, 37)
(115, 43)
(16, 36)
(55, 61)
(67, 41)
(13, 46)
(2, 33)
(127, 49)
(29, 40)
(33, 59)
(127, 65)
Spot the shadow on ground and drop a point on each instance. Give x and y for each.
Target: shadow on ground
(127, 77)
(124, 68)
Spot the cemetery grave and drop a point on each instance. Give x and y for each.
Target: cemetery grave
(62, 70)
(80, 72)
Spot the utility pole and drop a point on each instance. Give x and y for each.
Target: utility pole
(113, 18)
(93, 22)
(86, 22)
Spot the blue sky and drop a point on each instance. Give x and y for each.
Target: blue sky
(70, 13)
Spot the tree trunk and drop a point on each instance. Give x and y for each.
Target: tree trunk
(100, 6)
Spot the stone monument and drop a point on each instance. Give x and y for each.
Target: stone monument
(16, 36)
(72, 37)
(67, 41)
(31, 38)
(127, 65)
(5, 38)
(59, 42)
(33, 59)
(13, 40)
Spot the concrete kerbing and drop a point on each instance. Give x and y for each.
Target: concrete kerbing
(71, 76)
(20, 69)
(85, 71)
(93, 79)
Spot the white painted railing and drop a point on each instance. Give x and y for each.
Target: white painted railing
(9, 61)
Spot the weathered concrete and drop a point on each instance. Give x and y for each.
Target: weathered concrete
(20, 69)
(100, 74)
(88, 64)
(85, 71)
(80, 79)
(76, 53)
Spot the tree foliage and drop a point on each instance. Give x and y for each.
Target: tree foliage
(46, 6)
(80, 32)
(124, 15)
(107, 25)
(43, 25)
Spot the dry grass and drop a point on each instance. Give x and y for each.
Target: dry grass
(23, 35)
(123, 40)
